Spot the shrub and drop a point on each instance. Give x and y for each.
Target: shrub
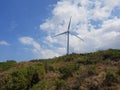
(42, 85)
(92, 70)
(16, 81)
(7, 65)
(11, 61)
(68, 70)
(51, 68)
(24, 78)
(118, 72)
(111, 79)
(87, 61)
(65, 72)
(59, 84)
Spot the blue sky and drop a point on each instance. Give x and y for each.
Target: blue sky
(21, 18)
(26, 27)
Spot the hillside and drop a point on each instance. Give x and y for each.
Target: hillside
(92, 71)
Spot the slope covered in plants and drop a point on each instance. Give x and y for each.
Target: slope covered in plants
(92, 71)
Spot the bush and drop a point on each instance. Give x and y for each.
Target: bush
(92, 70)
(111, 79)
(16, 81)
(7, 65)
(65, 72)
(68, 70)
(24, 78)
(48, 67)
(118, 72)
(59, 84)
(42, 85)
(87, 61)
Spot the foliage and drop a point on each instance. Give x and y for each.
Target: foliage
(118, 72)
(110, 79)
(59, 83)
(92, 71)
(68, 70)
(25, 78)
(7, 65)
(87, 61)
(42, 85)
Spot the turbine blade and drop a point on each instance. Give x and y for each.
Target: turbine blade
(69, 24)
(60, 34)
(77, 36)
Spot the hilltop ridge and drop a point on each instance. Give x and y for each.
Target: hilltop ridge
(91, 71)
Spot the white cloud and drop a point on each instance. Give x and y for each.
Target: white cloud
(30, 41)
(4, 43)
(48, 53)
(36, 48)
(107, 35)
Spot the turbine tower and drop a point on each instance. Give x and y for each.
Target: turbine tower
(68, 33)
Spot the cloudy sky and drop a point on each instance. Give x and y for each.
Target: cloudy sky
(26, 27)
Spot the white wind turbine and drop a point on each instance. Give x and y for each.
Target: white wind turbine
(68, 33)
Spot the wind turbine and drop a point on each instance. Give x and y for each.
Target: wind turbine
(68, 33)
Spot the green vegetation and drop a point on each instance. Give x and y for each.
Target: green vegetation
(92, 71)
(7, 65)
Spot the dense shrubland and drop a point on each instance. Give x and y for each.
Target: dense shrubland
(92, 71)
